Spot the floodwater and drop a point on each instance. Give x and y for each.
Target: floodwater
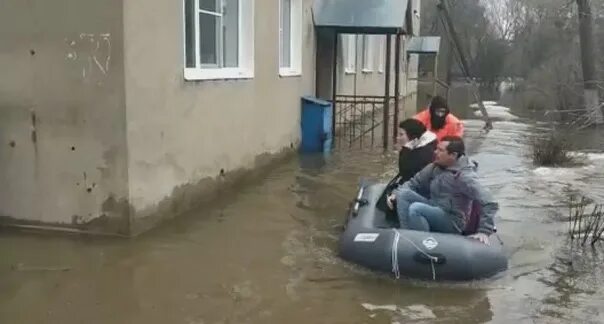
(266, 253)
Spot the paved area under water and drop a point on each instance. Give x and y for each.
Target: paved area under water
(267, 254)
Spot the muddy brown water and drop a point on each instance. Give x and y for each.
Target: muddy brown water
(266, 253)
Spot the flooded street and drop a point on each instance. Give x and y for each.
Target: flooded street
(266, 253)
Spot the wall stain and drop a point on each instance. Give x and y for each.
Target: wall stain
(119, 218)
(34, 134)
(206, 192)
(114, 221)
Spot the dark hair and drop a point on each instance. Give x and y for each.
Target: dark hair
(413, 127)
(456, 145)
(438, 102)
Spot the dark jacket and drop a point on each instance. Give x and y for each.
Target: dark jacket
(412, 158)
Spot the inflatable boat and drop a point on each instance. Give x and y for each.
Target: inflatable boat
(370, 240)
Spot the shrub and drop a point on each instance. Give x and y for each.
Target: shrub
(553, 149)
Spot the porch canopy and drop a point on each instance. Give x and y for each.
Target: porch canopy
(363, 16)
(427, 45)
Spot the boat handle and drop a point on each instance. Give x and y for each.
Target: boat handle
(428, 258)
(358, 202)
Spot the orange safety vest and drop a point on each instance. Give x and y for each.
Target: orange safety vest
(453, 126)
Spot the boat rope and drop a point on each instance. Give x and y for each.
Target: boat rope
(395, 266)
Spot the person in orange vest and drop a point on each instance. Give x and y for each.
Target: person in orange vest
(439, 120)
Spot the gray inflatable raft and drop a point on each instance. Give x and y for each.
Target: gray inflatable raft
(370, 241)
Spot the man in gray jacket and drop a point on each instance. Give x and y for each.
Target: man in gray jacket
(439, 198)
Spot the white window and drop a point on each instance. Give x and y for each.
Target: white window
(219, 39)
(368, 45)
(349, 43)
(290, 37)
(381, 56)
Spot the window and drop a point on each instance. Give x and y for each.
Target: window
(368, 45)
(290, 37)
(381, 56)
(219, 41)
(349, 43)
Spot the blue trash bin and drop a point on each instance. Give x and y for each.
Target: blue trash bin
(316, 125)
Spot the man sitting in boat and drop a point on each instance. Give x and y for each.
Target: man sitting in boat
(439, 120)
(417, 145)
(451, 183)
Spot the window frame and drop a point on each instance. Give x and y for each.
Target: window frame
(296, 21)
(349, 42)
(368, 57)
(245, 55)
(381, 56)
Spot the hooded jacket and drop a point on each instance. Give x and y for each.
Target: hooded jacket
(453, 126)
(454, 189)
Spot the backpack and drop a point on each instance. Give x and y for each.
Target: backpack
(473, 215)
(473, 219)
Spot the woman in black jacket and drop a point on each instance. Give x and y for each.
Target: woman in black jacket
(417, 150)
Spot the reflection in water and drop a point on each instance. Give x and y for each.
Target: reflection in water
(268, 254)
(574, 281)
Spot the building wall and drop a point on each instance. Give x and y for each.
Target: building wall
(182, 134)
(99, 130)
(62, 114)
(372, 83)
(362, 83)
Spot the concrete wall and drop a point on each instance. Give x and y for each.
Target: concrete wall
(324, 64)
(182, 134)
(99, 131)
(62, 114)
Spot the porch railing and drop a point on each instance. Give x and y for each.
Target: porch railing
(359, 120)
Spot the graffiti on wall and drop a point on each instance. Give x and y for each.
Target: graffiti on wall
(91, 53)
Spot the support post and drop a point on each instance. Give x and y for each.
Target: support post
(397, 86)
(334, 80)
(435, 75)
(387, 91)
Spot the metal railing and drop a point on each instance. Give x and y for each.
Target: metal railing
(359, 120)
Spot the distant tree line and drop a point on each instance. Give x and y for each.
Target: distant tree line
(534, 42)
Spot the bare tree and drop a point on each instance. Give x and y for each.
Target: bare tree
(507, 17)
(588, 64)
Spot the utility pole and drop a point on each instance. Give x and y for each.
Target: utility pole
(450, 28)
(590, 89)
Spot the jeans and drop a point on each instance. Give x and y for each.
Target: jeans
(416, 213)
